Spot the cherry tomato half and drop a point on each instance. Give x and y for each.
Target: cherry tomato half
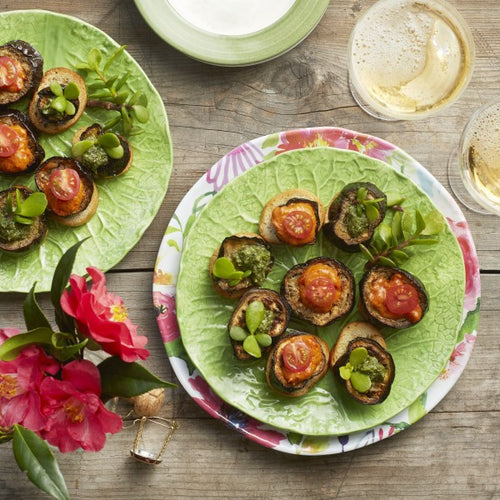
(296, 356)
(64, 183)
(8, 71)
(298, 224)
(9, 141)
(320, 294)
(401, 299)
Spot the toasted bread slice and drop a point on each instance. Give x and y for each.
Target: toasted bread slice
(350, 332)
(266, 228)
(63, 76)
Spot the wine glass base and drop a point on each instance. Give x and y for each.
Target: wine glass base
(458, 188)
(366, 107)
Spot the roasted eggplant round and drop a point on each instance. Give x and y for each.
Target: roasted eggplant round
(273, 323)
(14, 236)
(20, 151)
(96, 159)
(293, 217)
(390, 296)
(296, 363)
(320, 291)
(242, 261)
(21, 68)
(71, 192)
(354, 214)
(367, 369)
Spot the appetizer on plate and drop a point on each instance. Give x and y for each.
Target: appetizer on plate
(20, 151)
(390, 296)
(320, 291)
(21, 69)
(353, 215)
(260, 317)
(71, 192)
(105, 154)
(242, 261)
(59, 101)
(296, 363)
(360, 360)
(293, 217)
(23, 224)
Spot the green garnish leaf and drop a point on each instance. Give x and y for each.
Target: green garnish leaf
(70, 109)
(357, 356)
(56, 89)
(59, 104)
(397, 230)
(366, 252)
(108, 140)
(223, 268)
(94, 58)
(264, 339)
(141, 113)
(71, 91)
(420, 222)
(252, 347)
(361, 195)
(80, 148)
(23, 220)
(237, 333)
(385, 261)
(372, 212)
(434, 223)
(345, 371)
(254, 315)
(115, 153)
(361, 381)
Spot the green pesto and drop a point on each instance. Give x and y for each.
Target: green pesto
(255, 258)
(356, 223)
(10, 230)
(95, 157)
(266, 323)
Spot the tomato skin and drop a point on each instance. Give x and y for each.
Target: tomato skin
(296, 356)
(8, 71)
(9, 141)
(64, 183)
(401, 299)
(320, 294)
(298, 224)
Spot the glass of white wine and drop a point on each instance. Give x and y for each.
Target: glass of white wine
(474, 167)
(409, 59)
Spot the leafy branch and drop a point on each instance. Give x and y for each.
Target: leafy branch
(109, 92)
(389, 244)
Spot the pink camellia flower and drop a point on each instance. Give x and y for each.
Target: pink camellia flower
(20, 381)
(76, 416)
(102, 317)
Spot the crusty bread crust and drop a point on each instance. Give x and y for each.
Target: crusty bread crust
(350, 332)
(85, 215)
(266, 229)
(62, 76)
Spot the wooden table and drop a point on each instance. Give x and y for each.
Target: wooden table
(453, 451)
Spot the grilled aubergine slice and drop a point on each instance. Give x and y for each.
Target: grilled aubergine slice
(274, 322)
(390, 296)
(293, 217)
(71, 192)
(320, 291)
(20, 151)
(96, 159)
(16, 237)
(22, 70)
(250, 256)
(354, 214)
(361, 361)
(296, 363)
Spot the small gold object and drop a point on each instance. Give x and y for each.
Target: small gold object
(139, 451)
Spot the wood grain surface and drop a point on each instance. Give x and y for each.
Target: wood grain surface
(453, 452)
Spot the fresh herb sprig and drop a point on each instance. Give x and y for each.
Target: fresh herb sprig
(224, 269)
(389, 244)
(368, 206)
(24, 211)
(252, 339)
(109, 92)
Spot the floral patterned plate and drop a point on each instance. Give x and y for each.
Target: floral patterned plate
(233, 164)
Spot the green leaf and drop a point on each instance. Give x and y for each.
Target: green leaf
(423, 241)
(345, 371)
(112, 57)
(366, 252)
(361, 194)
(33, 314)
(121, 97)
(23, 220)
(237, 333)
(34, 457)
(393, 201)
(108, 140)
(80, 148)
(420, 222)
(94, 58)
(127, 379)
(59, 283)
(63, 351)
(33, 206)
(115, 153)
(372, 212)
(11, 347)
(69, 109)
(385, 261)
(397, 230)
(71, 91)
(254, 315)
(56, 89)
(399, 255)
(251, 346)
(141, 113)
(264, 339)
(121, 82)
(59, 104)
(407, 225)
(434, 223)
(384, 232)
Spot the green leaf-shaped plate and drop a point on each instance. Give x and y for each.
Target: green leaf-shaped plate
(419, 352)
(127, 204)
